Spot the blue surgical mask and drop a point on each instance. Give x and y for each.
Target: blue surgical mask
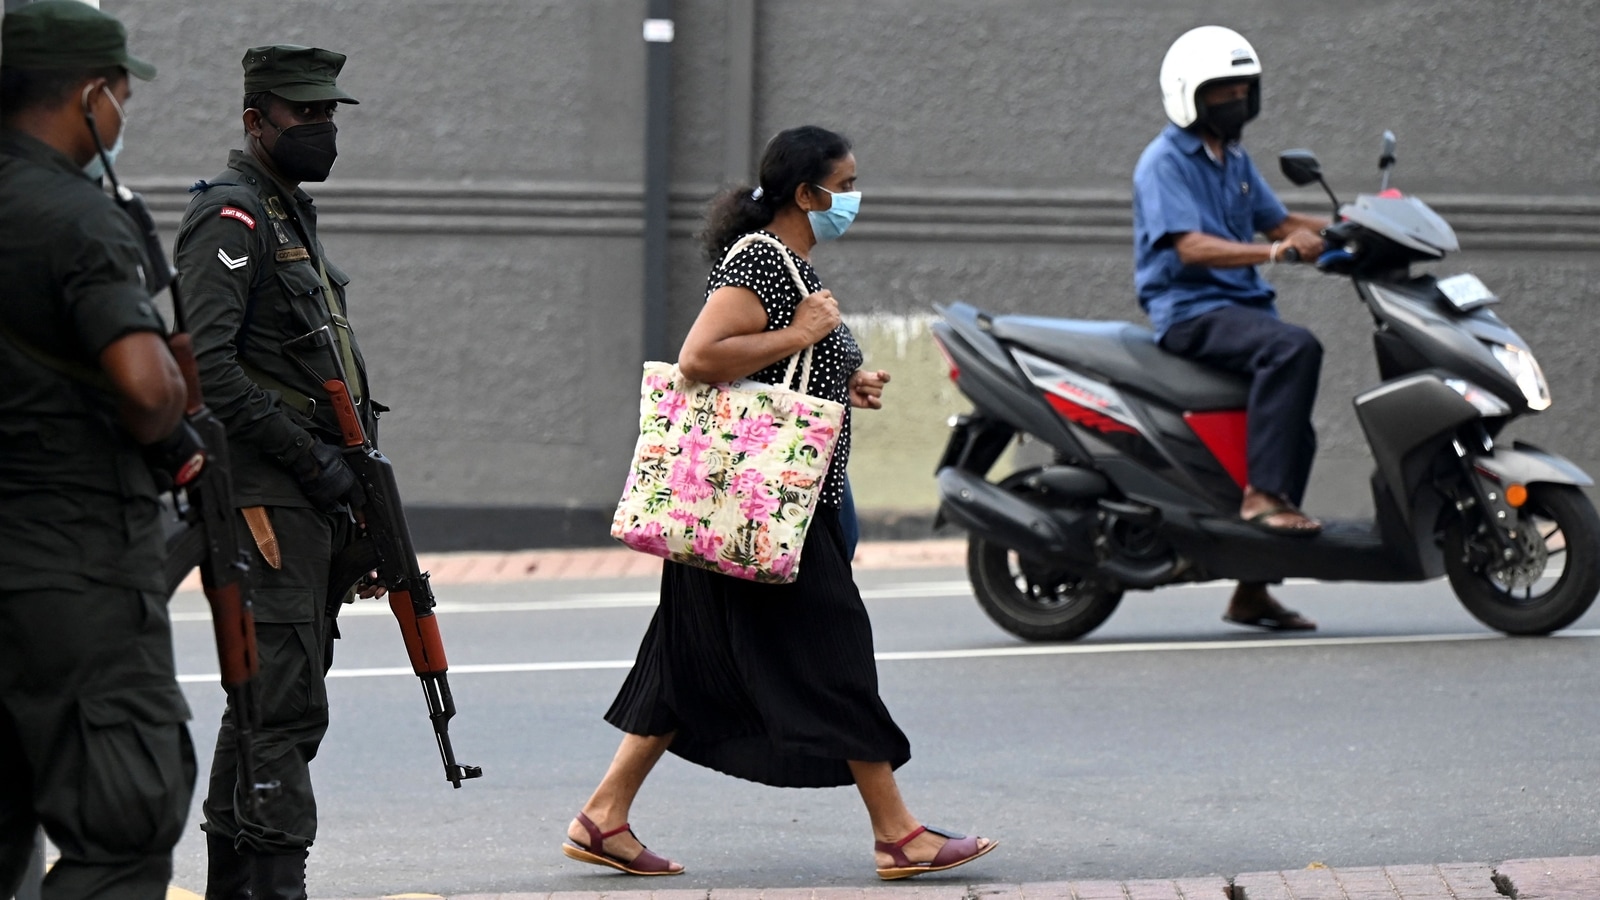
(828, 224)
(95, 168)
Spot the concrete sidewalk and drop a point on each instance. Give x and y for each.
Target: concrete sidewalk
(1568, 878)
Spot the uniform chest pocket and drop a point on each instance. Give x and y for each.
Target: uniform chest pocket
(302, 287)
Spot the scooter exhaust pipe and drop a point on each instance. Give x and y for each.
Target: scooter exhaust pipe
(1141, 575)
(998, 515)
(1047, 534)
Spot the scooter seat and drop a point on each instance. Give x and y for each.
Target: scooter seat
(1126, 355)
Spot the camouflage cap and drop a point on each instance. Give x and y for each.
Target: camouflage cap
(297, 74)
(66, 34)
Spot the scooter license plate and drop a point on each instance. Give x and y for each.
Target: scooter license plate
(1466, 292)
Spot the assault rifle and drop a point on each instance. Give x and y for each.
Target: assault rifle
(210, 538)
(385, 547)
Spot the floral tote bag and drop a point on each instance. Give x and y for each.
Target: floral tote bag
(727, 476)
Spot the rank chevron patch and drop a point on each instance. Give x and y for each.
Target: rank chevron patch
(229, 261)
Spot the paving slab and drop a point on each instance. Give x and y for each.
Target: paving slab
(1569, 878)
(620, 562)
(1456, 881)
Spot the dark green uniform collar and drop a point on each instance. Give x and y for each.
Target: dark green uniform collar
(242, 162)
(27, 147)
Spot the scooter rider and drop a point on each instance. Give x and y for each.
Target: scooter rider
(1198, 203)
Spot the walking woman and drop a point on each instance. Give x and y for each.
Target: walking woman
(771, 683)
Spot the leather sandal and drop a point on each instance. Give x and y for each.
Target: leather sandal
(1306, 527)
(957, 850)
(594, 853)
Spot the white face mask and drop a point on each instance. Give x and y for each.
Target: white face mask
(96, 167)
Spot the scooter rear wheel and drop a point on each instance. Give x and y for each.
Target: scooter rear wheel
(1555, 578)
(1035, 601)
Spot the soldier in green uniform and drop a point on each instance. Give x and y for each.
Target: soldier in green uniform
(93, 744)
(267, 310)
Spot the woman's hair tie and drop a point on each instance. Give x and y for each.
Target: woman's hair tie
(757, 193)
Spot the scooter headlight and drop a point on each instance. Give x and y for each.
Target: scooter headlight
(1525, 371)
(1487, 404)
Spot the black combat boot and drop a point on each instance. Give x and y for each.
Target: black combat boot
(279, 876)
(227, 870)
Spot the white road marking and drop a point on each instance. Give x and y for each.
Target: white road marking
(633, 599)
(1243, 643)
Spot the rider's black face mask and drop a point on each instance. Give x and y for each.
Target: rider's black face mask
(1226, 120)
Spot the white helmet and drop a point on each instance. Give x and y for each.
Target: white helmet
(1200, 57)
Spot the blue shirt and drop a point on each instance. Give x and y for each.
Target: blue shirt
(1177, 188)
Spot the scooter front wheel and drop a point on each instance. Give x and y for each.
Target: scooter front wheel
(1035, 601)
(1555, 576)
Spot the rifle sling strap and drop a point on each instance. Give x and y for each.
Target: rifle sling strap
(341, 335)
(296, 400)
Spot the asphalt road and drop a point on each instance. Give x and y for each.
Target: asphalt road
(1166, 744)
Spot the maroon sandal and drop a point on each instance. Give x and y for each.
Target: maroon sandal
(957, 850)
(646, 863)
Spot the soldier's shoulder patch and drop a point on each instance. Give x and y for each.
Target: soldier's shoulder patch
(233, 212)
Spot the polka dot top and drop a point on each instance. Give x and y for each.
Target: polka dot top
(759, 268)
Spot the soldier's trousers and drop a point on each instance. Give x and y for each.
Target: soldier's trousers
(295, 638)
(93, 744)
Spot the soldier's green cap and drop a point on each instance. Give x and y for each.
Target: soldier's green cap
(66, 34)
(297, 74)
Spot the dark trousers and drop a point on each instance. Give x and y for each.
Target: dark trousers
(1283, 362)
(849, 523)
(294, 636)
(93, 745)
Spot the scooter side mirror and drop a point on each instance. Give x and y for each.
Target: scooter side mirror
(1300, 167)
(1386, 161)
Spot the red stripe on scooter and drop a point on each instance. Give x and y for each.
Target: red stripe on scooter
(1087, 417)
(1226, 436)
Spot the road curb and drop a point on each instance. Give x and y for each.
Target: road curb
(1555, 878)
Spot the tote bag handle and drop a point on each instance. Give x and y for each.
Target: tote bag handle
(802, 360)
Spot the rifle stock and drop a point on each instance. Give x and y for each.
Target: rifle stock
(386, 547)
(213, 532)
(210, 539)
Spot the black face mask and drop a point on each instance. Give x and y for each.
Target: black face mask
(305, 152)
(1226, 120)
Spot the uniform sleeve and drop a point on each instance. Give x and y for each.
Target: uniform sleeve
(1164, 203)
(1267, 211)
(104, 286)
(758, 268)
(219, 251)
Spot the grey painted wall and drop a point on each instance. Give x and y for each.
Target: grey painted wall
(487, 199)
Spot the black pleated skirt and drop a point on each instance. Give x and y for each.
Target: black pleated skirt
(771, 683)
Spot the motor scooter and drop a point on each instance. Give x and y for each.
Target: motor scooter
(1149, 464)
